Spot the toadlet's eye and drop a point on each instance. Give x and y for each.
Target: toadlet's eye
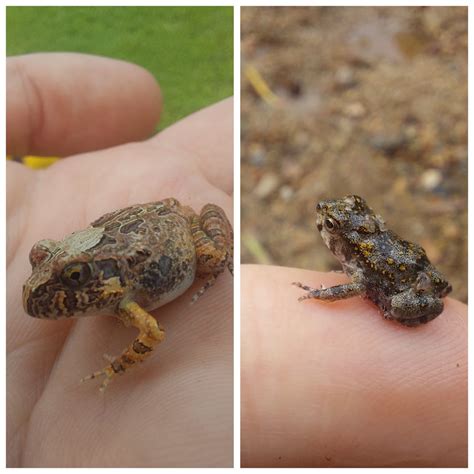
(76, 275)
(331, 225)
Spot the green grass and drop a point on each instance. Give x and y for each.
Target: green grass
(188, 49)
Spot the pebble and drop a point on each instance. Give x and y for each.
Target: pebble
(267, 184)
(291, 170)
(430, 179)
(286, 192)
(257, 155)
(388, 144)
(344, 78)
(354, 110)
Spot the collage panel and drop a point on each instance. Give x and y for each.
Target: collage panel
(354, 237)
(119, 207)
(341, 340)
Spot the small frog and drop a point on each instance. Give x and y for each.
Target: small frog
(128, 263)
(394, 273)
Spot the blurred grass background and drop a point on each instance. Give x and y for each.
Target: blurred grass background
(188, 49)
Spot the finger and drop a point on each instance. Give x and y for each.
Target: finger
(63, 103)
(207, 136)
(334, 384)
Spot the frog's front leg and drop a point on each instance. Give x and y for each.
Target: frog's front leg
(213, 240)
(149, 336)
(334, 293)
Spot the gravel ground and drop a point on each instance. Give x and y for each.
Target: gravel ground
(365, 100)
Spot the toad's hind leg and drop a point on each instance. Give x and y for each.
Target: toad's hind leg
(149, 336)
(213, 240)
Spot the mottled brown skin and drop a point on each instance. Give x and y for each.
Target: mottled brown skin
(394, 273)
(127, 263)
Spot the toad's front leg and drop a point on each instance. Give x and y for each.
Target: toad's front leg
(334, 293)
(149, 336)
(213, 240)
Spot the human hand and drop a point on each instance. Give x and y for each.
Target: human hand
(334, 384)
(175, 409)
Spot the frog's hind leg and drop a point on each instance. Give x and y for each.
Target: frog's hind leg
(149, 336)
(213, 240)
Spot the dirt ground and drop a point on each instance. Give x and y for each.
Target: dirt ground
(363, 100)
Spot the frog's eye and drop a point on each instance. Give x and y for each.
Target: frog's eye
(330, 225)
(75, 275)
